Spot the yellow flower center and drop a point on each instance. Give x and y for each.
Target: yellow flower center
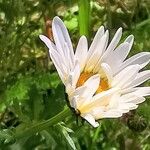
(103, 85)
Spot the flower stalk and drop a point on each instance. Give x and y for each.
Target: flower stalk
(84, 17)
(43, 125)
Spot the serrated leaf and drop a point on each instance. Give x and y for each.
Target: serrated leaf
(54, 101)
(66, 128)
(46, 80)
(50, 141)
(54, 80)
(66, 135)
(6, 136)
(35, 103)
(19, 91)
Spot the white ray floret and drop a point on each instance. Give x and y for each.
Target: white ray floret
(99, 80)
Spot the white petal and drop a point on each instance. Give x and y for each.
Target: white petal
(125, 76)
(114, 42)
(75, 73)
(114, 101)
(130, 106)
(99, 100)
(115, 58)
(61, 37)
(73, 102)
(112, 114)
(97, 112)
(142, 91)
(90, 119)
(96, 39)
(81, 51)
(123, 107)
(80, 90)
(47, 42)
(128, 97)
(127, 90)
(98, 50)
(139, 100)
(126, 107)
(67, 58)
(122, 51)
(141, 78)
(108, 72)
(53, 49)
(56, 58)
(61, 71)
(141, 58)
(131, 98)
(92, 85)
(104, 94)
(130, 40)
(60, 61)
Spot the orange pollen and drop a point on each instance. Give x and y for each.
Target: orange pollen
(103, 85)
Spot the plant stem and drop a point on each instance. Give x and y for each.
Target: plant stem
(109, 15)
(141, 24)
(84, 17)
(43, 125)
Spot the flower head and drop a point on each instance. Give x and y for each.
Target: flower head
(99, 80)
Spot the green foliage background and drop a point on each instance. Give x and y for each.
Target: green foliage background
(31, 91)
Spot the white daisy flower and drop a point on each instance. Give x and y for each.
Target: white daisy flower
(100, 81)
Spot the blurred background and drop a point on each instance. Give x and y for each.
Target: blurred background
(31, 91)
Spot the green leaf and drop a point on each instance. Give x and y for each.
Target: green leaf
(35, 103)
(50, 141)
(54, 101)
(6, 136)
(64, 131)
(18, 91)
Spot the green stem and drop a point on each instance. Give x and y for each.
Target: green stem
(43, 125)
(84, 17)
(141, 24)
(109, 14)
